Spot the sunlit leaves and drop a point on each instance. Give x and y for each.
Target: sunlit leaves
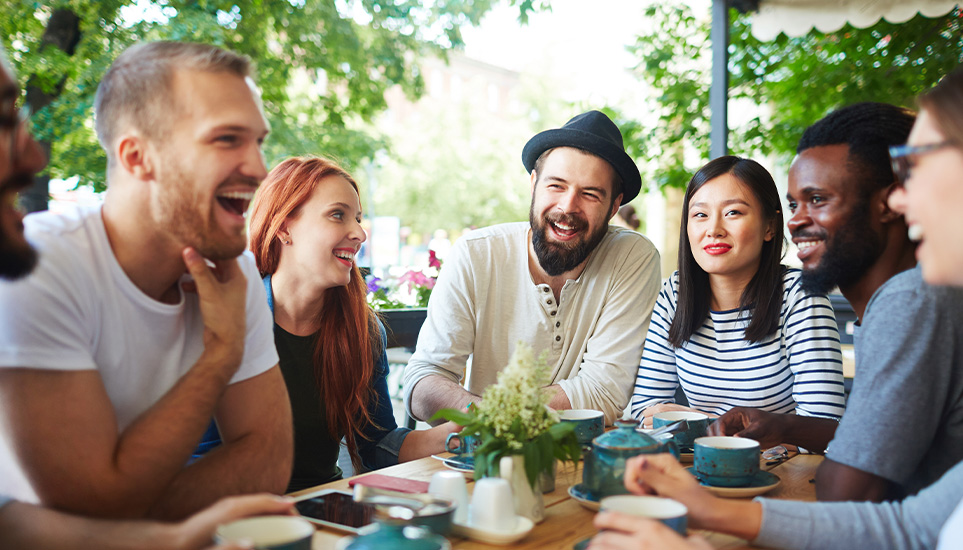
(796, 81)
(357, 55)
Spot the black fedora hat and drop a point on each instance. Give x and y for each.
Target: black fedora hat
(595, 133)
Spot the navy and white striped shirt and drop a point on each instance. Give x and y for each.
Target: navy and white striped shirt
(798, 368)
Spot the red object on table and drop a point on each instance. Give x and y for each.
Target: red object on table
(391, 483)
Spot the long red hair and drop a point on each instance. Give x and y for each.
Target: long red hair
(348, 337)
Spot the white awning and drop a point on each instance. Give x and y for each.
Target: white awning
(797, 17)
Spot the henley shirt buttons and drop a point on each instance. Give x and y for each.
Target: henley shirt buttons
(553, 313)
(544, 290)
(558, 338)
(549, 301)
(557, 324)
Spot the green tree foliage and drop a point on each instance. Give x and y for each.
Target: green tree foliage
(794, 81)
(457, 165)
(455, 168)
(323, 65)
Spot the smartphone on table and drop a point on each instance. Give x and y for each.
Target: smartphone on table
(335, 509)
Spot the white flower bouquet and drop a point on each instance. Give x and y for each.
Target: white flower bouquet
(514, 418)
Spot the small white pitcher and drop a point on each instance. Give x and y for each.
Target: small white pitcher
(528, 502)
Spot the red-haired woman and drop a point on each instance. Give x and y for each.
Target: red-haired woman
(305, 233)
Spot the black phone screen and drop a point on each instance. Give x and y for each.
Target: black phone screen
(337, 508)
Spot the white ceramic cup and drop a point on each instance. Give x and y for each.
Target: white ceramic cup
(451, 485)
(492, 507)
(670, 512)
(268, 532)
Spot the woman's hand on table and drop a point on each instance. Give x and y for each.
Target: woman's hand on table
(422, 443)
(666, 407)
(662, 475)
(625, 532)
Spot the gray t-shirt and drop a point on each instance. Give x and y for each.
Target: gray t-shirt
(914, 523)
(904, 418)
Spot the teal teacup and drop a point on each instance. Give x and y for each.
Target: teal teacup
(726, 461)
(698, 423)
(588, 423)
(466, 444)
(268, 532)
(670, 512)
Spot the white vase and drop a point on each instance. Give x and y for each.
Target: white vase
(528, 502)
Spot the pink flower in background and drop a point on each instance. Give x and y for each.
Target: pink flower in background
(388, 294)
(416, 279)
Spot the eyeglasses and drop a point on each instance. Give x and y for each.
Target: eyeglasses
(900, 156)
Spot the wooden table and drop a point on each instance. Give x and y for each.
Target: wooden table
(566, 521)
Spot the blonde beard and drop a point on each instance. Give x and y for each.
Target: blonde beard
(178, 212)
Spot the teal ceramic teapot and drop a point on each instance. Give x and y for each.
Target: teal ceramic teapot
(604, 468)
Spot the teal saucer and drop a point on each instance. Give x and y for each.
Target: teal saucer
(761, 483)
(461, 464)
(584, 497)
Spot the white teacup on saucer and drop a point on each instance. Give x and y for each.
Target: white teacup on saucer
(491, 515)
(492, 507)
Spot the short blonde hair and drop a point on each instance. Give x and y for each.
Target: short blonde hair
(136, 90)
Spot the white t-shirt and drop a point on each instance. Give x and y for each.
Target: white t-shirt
(951, 536)
(78, 310)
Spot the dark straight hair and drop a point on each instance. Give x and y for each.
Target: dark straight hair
(763, 295)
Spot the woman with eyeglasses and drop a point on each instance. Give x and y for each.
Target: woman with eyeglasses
(930, 167)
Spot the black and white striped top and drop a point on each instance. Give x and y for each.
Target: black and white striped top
(798, 369)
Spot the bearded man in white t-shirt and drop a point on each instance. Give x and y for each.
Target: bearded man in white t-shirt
(123, 343)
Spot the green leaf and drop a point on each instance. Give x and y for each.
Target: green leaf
(457, 416)
(546, 447)
(481, 465)
(532, 462)
(559, 430)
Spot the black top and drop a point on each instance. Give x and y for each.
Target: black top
(315, 451)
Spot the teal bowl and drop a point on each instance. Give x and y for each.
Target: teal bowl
(588, 423)
(726, 461)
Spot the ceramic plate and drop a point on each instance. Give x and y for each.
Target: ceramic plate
(523, 528)
(460, 465)
(579, 493)
(762, 483)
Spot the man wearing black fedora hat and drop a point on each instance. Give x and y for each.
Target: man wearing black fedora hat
(566, 283)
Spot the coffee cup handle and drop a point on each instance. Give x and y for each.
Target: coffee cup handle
(671, 447)
(457, 450)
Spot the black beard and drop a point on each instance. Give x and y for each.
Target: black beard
(16, 259)
(849, 253)
(558, 258)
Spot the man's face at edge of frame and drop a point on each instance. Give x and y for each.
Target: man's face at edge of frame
(20, 159)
